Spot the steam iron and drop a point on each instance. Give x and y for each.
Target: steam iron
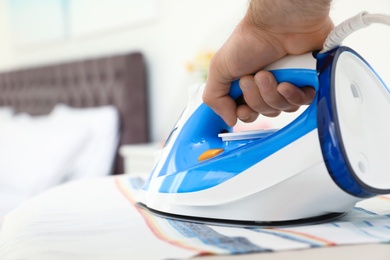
(336, 153)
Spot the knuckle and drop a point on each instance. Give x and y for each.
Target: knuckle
(207, 99)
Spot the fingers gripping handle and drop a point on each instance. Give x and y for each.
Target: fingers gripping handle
(299, 70)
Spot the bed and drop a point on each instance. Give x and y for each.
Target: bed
(71, 111)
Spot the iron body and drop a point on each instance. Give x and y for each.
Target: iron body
(333, 155)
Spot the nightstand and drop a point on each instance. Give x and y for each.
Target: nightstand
(139, 158)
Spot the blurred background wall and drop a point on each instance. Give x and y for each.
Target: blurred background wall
(173, 35)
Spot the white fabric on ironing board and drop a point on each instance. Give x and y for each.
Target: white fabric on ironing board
(97, 219)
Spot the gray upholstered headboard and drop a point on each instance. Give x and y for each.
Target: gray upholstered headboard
(117, 80)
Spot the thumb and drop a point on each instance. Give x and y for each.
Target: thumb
(216, 92)
(224, 106)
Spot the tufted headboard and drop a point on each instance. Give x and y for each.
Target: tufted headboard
(118, 80)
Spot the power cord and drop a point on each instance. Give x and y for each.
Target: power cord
(343, 30)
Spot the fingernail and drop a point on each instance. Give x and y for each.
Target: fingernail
(244, 118)
(248, 117)
(247, 84)
(264, 82)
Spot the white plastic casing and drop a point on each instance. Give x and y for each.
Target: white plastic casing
(363, 113)
(271, 192)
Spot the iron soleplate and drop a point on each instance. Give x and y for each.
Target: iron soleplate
(245, 224)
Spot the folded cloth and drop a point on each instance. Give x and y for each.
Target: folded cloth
(97, 219)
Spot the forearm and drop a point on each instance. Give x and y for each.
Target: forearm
(286, 13)
(295, 26)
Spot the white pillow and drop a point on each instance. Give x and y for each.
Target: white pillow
(102, 123)
(6, 113)
(36, 153)
(40, 152)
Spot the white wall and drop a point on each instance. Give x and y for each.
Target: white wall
(168, 43)
(373, 43)
(174, 37)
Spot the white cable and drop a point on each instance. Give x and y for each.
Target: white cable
(343, 30)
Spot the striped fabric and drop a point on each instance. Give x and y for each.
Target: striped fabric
(368, 222)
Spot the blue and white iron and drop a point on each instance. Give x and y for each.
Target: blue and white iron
(336, 153)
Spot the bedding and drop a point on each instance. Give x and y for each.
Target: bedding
(96, 157)
(65, 145)
(34, 140)
(66, 121)
(118, 80)
(5, 114)
(97, 219)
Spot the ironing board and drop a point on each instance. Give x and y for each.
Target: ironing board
(97, 219)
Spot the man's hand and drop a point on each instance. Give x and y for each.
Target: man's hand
(270, 30)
